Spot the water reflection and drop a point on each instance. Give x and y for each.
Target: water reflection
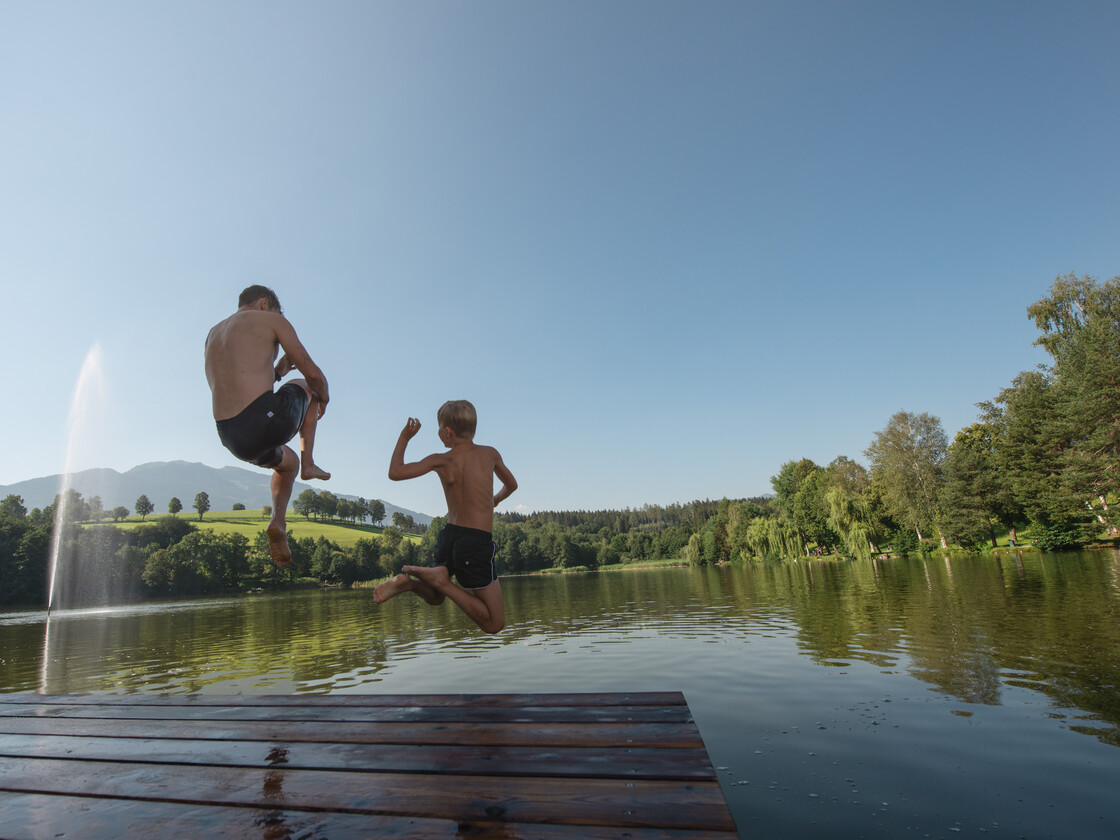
(971, 628)
(878, 699)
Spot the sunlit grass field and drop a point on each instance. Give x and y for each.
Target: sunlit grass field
(249, 522)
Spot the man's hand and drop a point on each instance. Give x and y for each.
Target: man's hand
(283, 367)
(410, 428)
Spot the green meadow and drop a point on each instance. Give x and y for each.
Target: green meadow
(249, 522)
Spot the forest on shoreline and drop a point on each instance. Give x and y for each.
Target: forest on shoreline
(1041, 464)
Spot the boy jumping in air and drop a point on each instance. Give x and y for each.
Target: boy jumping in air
(465, 547)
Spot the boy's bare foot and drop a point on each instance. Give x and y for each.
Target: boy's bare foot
(310, 471)
(436, 577)
(394, 586)
(278, 545)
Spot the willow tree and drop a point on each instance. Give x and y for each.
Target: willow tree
(784, 538)
(906, 458)
(757, 537)
(850, 516)
(850, 509)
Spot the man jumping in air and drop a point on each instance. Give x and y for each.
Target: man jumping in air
(254, 422)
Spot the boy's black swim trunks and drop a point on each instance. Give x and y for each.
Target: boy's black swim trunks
(267, 423)
(468, 554)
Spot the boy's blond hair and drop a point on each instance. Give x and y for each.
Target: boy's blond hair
(459, 416)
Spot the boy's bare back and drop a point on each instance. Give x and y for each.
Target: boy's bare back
(466, 472)
(468, 484)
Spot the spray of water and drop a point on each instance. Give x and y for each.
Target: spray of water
(89, 394)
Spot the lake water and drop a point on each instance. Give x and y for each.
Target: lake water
(972, 697)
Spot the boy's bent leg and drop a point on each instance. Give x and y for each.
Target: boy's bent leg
(308, 470)
(491, 596)
(283, 480)
(485, 607)
(403, 583)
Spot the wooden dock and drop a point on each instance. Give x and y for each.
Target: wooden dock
(532, 766)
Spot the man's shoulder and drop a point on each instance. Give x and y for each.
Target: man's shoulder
(257, 321)
(260, 316)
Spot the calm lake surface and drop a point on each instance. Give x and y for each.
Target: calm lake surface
(977, 696)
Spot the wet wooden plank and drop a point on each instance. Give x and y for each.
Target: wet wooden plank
(504, 766)
(648, 698)
(360, 714)
(676, 736)
(637, 803)
(34, 816)
(577, 762)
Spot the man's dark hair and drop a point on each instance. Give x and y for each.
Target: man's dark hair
(254, 293)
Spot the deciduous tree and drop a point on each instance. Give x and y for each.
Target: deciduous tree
(143, 506)
(906, 458)
(12, 507)
(306, 503)
(328, 504)
(376, 511)
(201, 503)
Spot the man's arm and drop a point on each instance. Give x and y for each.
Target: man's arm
(509, 483)
(283, 367)
(296, 357)
(398, 469)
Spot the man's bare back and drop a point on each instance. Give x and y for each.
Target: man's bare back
(240, 353)
(254, 423)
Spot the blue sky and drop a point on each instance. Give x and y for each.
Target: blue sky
(664, 247)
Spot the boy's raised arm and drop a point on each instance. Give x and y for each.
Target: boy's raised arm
(398, 469)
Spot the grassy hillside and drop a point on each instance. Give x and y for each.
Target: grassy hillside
(249, 522)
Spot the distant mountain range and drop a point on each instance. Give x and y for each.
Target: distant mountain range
(161, 480)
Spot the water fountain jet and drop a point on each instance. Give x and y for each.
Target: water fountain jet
(88, 398)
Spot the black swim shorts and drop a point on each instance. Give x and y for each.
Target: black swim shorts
(468, 554)
(257, 434)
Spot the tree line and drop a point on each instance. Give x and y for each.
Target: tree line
(92, 509)
(1041, 460)
(170, 556)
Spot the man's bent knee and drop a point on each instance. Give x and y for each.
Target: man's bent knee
(289, 463)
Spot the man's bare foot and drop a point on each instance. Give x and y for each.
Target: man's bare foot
(436, 577)
(310, 471)
(394, 586)
(278, 545)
